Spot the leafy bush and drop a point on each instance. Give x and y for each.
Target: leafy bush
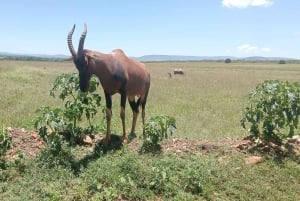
(5, 144)
(55, 124)
(76, 102)
(227, 60)
(156, 129)
(273, 110)
(282, 62)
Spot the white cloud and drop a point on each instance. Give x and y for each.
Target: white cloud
(265, 49)
(246, 3)
(247, 48)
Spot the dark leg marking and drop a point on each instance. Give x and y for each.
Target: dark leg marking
(122, 113)
(108, 115)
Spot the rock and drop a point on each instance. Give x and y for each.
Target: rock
(253, 160)
(87, 139)
(9, 129)
(295, 139)
(242, 146)
(34, 135)
(282, 148)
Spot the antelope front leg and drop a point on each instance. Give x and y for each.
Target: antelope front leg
(122, 115)
(108, 120)
(108, 116)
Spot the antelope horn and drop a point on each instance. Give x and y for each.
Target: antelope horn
(81, 41)
(70, 44)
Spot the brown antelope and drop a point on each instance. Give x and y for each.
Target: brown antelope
(117, 74)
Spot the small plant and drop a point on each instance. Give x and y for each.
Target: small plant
(5, 144)
(193, 181)
(273, 110)
(156, 129)
(57, 124)
(158, 180)
(51, 124)
(20, 162)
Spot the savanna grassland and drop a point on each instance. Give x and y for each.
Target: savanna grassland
(207, 103)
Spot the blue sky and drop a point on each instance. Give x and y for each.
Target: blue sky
(171, 27)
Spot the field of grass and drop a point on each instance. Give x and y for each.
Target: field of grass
(207, 103)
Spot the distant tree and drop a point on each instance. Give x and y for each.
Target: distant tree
(282, 62)
(227, 60)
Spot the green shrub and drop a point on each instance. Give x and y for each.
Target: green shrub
(5, 144)
(55, 124)
(273, 110)
(156, 129)
(281, 62)
(227, 60)
(76, 102)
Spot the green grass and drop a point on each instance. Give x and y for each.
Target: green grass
(207, 103)
(24, 87)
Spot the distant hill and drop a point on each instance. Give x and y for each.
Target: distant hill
(61, 57)
(179, 58)
(34, 57)
(258, 58)
(206, 58)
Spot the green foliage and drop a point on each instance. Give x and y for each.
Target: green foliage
(158, 180)
(30, 58)
(227, 60)
(273, 110)
(55, 124)
(76, 102)
(193, 182)
(19, 162)
(5, 144)
(156, 129)
(50, 125)
(159, 127)
(282, 62)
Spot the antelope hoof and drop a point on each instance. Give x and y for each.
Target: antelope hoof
(125, 139)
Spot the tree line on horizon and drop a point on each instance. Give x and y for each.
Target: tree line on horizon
(60, 59)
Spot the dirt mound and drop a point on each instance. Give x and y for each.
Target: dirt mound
(180, 146)
(30, 143)
(27, 142)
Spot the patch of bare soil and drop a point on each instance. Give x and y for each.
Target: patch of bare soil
(181, 146)
(30, 143)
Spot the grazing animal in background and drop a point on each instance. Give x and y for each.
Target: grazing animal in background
(117, 74)
(178, 71)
